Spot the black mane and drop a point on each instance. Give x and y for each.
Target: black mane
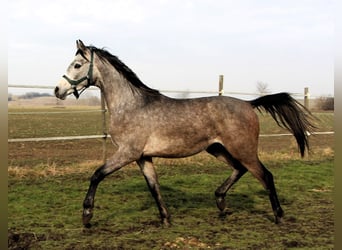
(124, 70)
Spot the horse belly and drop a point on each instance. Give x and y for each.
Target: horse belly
(175, 147)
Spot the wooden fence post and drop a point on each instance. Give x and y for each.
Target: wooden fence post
(306, 97)
(104, 128)
(220, 85)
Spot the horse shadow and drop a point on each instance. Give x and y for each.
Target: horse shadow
(176, 199)
(180, 201)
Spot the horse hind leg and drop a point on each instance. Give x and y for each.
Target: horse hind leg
(147, 168)
(257, 169)
(239, 170)
(265, 177)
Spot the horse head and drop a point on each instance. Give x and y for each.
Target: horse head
(79, 75)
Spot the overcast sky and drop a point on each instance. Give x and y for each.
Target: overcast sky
(180, 44)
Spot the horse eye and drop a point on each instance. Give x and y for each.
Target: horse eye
(77, 66)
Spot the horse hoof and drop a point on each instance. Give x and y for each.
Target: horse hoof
(224, 214)
(279, 214)
(88, 225)
(221, 203)
(277, 220)
(166, 222)
(86, 217)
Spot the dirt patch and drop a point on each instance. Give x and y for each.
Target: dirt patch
(186, 243)
(26, 240)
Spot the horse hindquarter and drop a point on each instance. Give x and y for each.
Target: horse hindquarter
(181, 128)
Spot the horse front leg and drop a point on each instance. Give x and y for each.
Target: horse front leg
(111, 166)
(88, 203)
(147, 168)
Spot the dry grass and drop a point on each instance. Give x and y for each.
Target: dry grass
(200, 160)
(48, 170)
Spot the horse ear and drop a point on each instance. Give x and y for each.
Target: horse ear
(80, 45)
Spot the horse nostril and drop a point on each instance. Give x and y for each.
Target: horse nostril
(56, 90)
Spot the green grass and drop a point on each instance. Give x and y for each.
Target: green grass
(50, 122)
(47, 211)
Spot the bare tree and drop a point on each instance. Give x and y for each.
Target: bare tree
(262, 88)
(325, 103)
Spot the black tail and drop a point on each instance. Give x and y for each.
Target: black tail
(290, 114)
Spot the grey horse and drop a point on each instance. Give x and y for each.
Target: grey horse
(146, 124)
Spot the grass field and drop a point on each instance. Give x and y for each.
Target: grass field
(48, 181)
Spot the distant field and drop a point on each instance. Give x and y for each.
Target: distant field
(48, 181)
(48, 123)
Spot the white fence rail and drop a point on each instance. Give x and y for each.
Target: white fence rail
(81, 137)
(220, 91)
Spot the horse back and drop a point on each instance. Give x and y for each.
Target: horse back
(182, 127)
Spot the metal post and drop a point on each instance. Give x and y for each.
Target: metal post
(306, 97)
(220, 85)
(104, 128)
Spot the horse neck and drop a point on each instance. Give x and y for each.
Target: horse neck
(116, 89)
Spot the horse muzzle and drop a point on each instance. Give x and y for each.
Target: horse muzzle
(61, 93)
(58, 95)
